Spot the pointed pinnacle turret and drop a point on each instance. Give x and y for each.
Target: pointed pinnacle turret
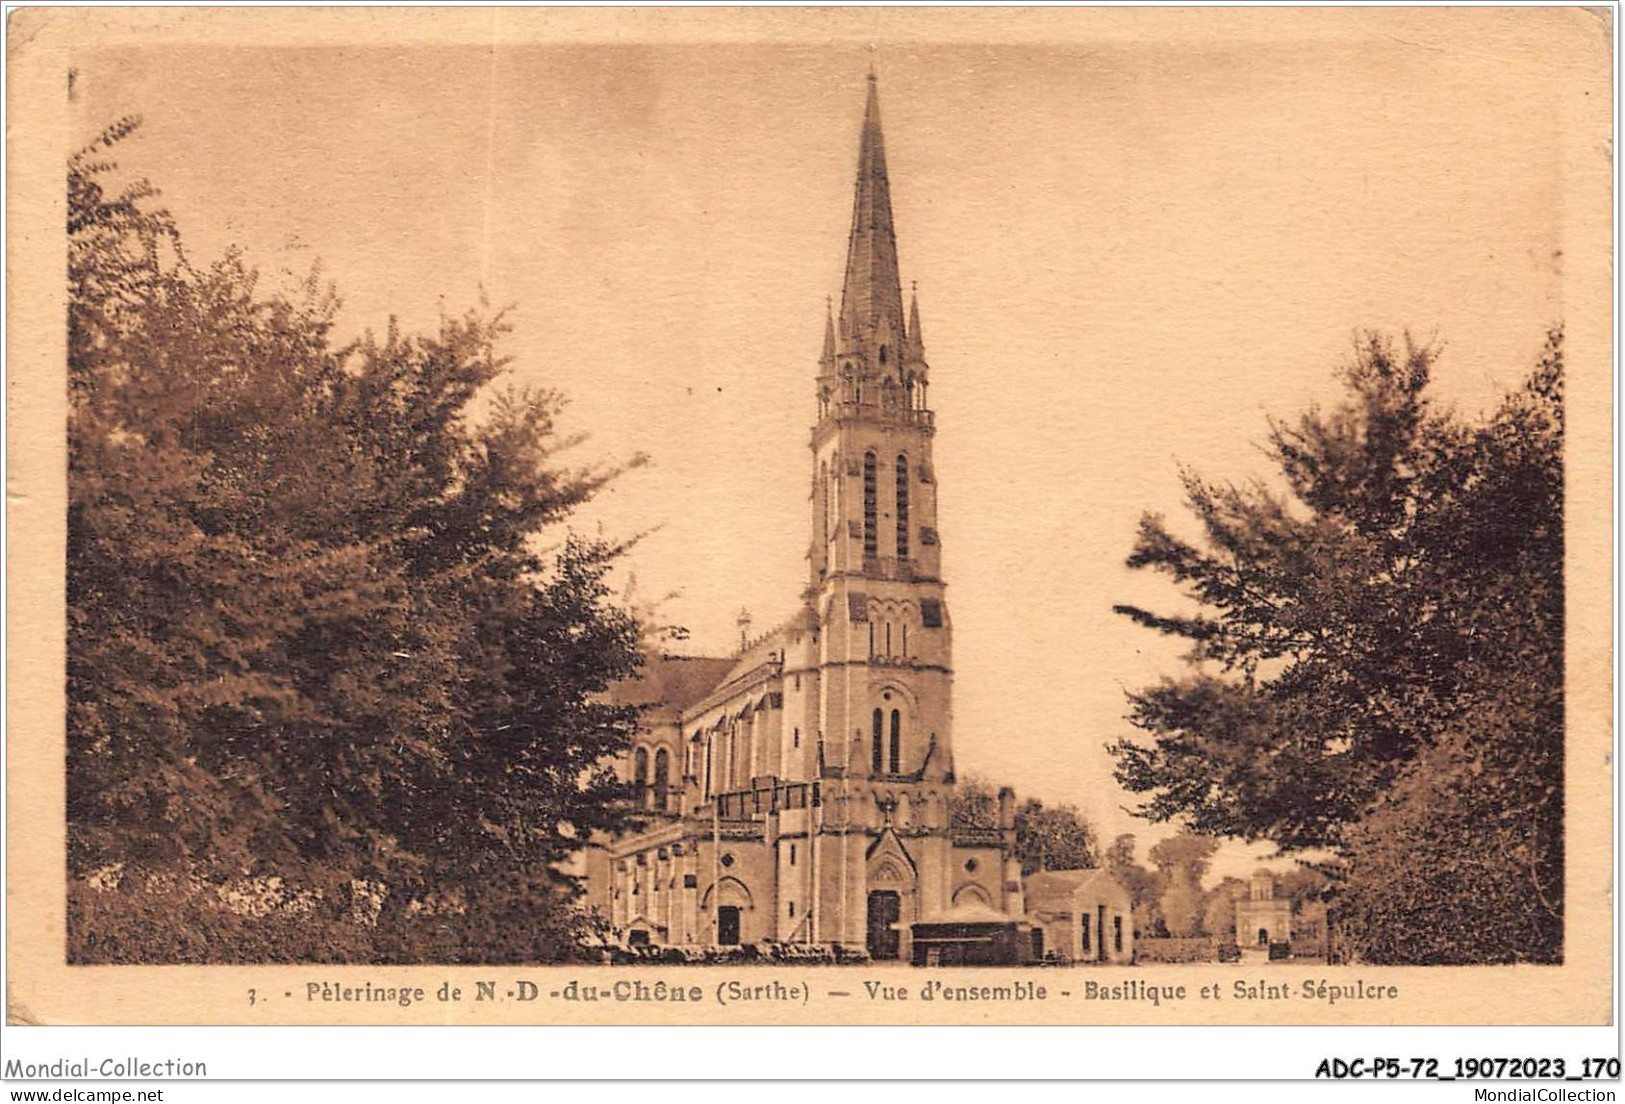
(916, 342)
(828, 359)
(872, 299)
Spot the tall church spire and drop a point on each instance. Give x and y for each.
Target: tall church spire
(872, 299)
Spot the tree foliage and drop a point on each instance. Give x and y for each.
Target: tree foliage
(1181, 861)
(1054, 837)
(1048, 837)
(313, 634)
(1185, 856)
(1144, 886)
(1219, 909)
(1376, 660)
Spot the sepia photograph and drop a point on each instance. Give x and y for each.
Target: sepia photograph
(1093, 516)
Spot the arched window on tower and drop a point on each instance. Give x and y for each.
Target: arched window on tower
(640, 777)
(875, 749)
(902, 507)
(662, 780)
(896, 742)
(871, 539)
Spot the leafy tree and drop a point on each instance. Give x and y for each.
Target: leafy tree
(1181, 861)
(1302, 885)
(1054, 837)
(1144, 886)
(1462, 861)
(1120, 854)
(1219, 909)
(1367, 641)
(313, 634)
(1185, 855)
(1181, 907)
(1047, 837)
(975, 805)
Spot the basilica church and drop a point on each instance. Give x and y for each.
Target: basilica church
(800, 791)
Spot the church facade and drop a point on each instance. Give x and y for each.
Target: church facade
(802, 790)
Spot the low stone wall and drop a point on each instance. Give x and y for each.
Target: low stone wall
(1199, 948)
(792, 954)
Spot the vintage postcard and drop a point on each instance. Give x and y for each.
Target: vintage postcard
(810, 516)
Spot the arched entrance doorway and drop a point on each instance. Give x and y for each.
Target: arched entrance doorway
(885, 939)
(732, 914)
(728, 925)
(891, 903)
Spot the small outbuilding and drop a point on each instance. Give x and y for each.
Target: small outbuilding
(1263, 919)
(973, 934)
(1085, 915)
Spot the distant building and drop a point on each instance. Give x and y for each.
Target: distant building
(1263, 918)
(800, 790)
(1085, 915)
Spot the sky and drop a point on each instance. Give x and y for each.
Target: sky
(1129, 253)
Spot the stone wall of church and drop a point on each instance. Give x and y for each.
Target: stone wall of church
(799, 730)
(673, 885)
(736, 737)
(739, 874)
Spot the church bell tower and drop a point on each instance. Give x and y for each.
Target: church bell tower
(876, 580)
